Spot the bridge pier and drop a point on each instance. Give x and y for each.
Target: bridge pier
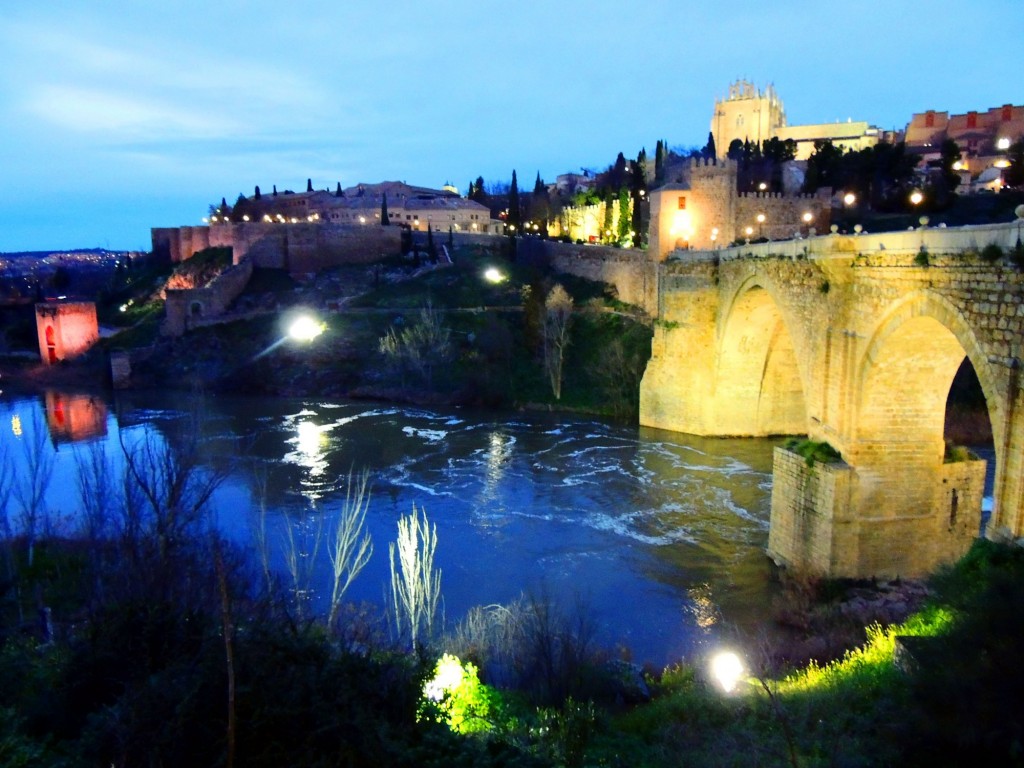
(842, 521)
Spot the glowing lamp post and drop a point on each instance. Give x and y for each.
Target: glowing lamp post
(727, 670)
(916, 197)
(493, 275)
(749, 232)
(305, 328)
(808, 217)
(760, 225)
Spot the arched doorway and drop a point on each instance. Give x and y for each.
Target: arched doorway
(51, 345)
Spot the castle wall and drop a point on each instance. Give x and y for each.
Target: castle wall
(186, 308)
(300, 248)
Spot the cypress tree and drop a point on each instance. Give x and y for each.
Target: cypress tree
(257, 195)
(275, 190)
(514, 219)
(338, 192)
(639, 183)
(709, 149)
(659, 162)
(431, 248)
(384, 220)
(309, 185)
(625, 220)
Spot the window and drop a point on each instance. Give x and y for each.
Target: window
(929, 119)
(1007, 113)
(682, 202)
(972, 119)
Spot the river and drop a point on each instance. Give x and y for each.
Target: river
(659, 536)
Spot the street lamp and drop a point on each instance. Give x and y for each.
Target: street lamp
(916, 197)
(849, 199)
(808, 217)
(1003, 144)
(749, 231)
(760, 225)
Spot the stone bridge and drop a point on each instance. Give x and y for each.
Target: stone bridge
(854, 341)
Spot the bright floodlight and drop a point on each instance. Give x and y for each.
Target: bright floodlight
(727, 670)
(916, 197)
(849, 198)
(305, 328)
(1003, 143)
(493, 275)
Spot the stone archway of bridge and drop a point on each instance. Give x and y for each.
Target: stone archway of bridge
(915, 510)
(759, 386)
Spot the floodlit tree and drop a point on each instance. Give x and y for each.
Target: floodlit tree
(557, 314)
(415, 583)
(420, 348)
(625, 216)
(350, 546)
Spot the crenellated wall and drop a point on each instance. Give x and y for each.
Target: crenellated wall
(300, 248)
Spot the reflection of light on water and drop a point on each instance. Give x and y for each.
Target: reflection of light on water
(309, 442)
(498, 453)
(704, 610)
(16, 425)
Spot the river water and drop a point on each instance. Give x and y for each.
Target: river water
(659, 536)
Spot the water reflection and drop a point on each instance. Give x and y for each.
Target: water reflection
(74, 417)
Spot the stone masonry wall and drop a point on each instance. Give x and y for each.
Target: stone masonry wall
(182, 308)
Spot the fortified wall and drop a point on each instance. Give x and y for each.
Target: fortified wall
(855, 341)
(708, 212)
(301, 249)
(628, 269)
(186, 308)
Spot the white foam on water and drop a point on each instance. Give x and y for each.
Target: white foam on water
(433, 435)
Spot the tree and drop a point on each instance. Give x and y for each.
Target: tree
(659, 163)
(479, 194)
(515, 220)
(275, 190)
(350, 547)
(638, 191)
(824, 167)
(709, 150)
(33, 480)
(339, 192)
(431, 246)
(625, 215)
(257, 192)
(309, 185)
(1013, 176)
(557, 315)
(540, 206)
(415, 583)
(949, 154)
(419, 348)
(384, 219)
(609, 213)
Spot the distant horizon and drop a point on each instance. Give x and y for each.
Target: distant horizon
(117, 121)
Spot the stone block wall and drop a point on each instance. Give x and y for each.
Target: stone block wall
(808, 504)
(65, 330)
(186, 308)
(629, 270)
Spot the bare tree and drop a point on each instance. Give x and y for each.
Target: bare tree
(30, 488)
(421, 348)
(302, 542)
(169, 487)
(96, 496)
(557, 314)
(350, 547)
(415, 584)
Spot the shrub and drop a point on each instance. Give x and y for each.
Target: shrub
(991, 252)
(813, 451)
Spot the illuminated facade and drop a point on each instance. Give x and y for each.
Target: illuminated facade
(709, 213)
(750, 114)
(65, 329)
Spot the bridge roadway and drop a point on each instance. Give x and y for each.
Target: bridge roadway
(854, 341)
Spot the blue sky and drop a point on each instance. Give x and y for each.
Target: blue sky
(118, 117)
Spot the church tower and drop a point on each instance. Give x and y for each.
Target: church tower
(747, 114)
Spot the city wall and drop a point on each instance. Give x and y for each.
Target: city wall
(185, 308)
(301, 249)
(629, 270)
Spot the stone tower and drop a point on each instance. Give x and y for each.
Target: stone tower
(746, 114)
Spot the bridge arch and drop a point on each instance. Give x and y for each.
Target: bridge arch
(903, 383)
(930, 320)
(759, 380)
